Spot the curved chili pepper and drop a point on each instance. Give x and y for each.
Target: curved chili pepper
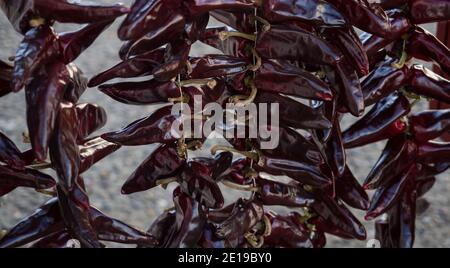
(146, 16)
(110, 229)
(72, 44)
(314, 12)
(384, 80)
(38, 47)
(294, 43)
(426, 11)
(216, 66)
(373, 44)
(217, 167)
(176, 56)
(387, 195)
(162, 226)
(77, 84)
(432, 152)
(428, 125)
(272, 193)
(423, 45)
(196, 182)
(94, 150)
(426, 171)
(290, 111)
(156, 128)
(351, 92)
(189, 221)
(44, 221)
(349, 43)
(245, 214)
(43, 96)
(335, 151)
(197, 7)
(60, 239)
(390, 4)
(163, 163)
(279, 77)
(64, 151)
(9, 153)
(168, 31)
(369, 18)
(425, 82)
(350, 191)
(21, 13)
(74, 208)
(335, 218)
(11, 179)
(381, 122)
(398, 154)
(91, 117)
(239, 20)
(286, 233)
(141, 93)
(141, 65)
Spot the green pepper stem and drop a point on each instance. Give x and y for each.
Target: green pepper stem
(251, 155)
(46, 192)
(242, 100)
(235, 186)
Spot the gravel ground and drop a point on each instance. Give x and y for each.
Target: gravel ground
(106, 178)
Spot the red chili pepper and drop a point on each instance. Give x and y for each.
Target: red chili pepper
(197, 7)
(168, 31)
(13, 178)
(425, 82)
(423, 45)
(272, 193)
(77, 84)
(141, 65)
(399, 153)
(350, 191)
(156, 128)
(434, 152)
(314, 12)
(94, 150)
(6, 70)
(163, 163)
(232, 46)
(146, 16)
(381, 122)
(428, 125)
(21, 13)
(280, 77)
(9, 153)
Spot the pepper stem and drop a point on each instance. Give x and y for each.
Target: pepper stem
(46, 192)
(183, 99)
(263, 21)
(235, 186)
(165, 182)
(36, 22)
(268, 226)
(255, 242)
(224, 35)
(258, 63)
(211, 83)
(40, 166)
(242, 100)
(26, 138)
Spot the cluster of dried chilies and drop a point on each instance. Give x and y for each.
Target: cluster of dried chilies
(272, 50)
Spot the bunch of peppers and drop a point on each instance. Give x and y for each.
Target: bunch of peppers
(272, 51)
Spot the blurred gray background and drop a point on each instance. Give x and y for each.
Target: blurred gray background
(104, 180)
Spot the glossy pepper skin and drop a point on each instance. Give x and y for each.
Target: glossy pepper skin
(197, 7)
(146, 16)
(44, 94)
(289, 111)
(91, 118)
(156, 128)
(381, 122)
(428, 125)
(141, 65)
(423, 45)
(173, 27)
(9, 153)
(13, 178)
(163, 163)
(425, 82)
(93, 150)
(293, 43)
(21, 13)
(5, 78)
(280, 77)
(272, 193)
(314, 12)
